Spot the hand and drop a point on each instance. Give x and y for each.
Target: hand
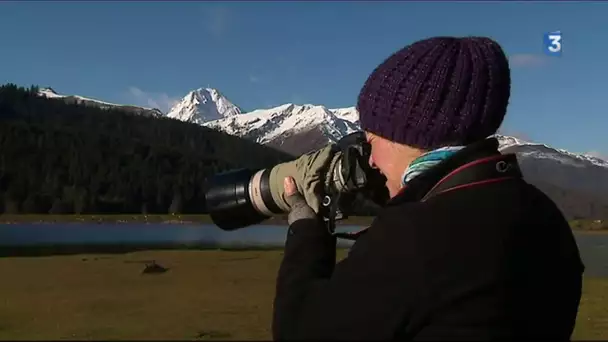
(311, 174)
(299, 209)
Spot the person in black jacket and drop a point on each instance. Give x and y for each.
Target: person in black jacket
(465, 249)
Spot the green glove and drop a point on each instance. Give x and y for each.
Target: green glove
(309, 173)
(299, 208)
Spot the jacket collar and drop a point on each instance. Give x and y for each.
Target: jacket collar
(419, 187)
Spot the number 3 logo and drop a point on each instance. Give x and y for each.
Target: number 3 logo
(556, 44)
(553, 43)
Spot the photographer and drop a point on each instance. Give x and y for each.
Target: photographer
(465, 248)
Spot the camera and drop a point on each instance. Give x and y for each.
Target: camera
(339, 173)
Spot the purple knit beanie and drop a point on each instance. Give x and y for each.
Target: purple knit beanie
(437, 92)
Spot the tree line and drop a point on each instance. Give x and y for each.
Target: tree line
(62, 158)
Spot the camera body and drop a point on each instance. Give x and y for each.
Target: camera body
(340, 174)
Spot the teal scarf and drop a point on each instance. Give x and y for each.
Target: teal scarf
(427, 161)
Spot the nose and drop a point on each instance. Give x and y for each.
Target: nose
(371, 162)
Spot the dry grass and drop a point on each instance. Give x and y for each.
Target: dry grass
(205, 295)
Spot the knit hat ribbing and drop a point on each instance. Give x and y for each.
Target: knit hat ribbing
(437, 92)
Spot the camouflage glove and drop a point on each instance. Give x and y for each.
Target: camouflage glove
(299, 208)
(309, 173)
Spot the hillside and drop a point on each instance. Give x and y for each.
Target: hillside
(59, 156)
(577, 183)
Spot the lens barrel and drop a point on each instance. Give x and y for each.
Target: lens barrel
(241, 198)
(229, 202)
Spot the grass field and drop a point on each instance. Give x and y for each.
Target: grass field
(205, 295)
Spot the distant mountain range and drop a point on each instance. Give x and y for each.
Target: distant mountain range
(51, 93)
(578, 182)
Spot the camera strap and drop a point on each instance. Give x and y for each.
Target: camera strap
(331, 206)
(354, 151)
(330, 211)
(487, 170)
(330, 221)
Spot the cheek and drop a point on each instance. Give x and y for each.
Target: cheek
(383, 161)
(378, 160)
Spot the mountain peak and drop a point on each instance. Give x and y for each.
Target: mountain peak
(202, 105)
(506, 141)
(47, 90)
(266, 125)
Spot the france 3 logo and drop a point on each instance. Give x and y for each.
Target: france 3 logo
(552, 43)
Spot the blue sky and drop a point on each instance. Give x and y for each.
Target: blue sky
(269, 53)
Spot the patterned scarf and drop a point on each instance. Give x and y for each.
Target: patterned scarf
(427, 161)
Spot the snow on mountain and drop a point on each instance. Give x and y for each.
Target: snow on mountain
(52, 94)
(577, 182)
(49, 92)
(302, 127)
(265, 125)
(208, 107)
(348, 114)
(203, 105)
(526, 149)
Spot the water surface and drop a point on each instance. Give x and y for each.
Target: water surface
(593, 246)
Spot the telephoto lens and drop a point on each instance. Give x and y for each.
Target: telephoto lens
(243, 197)
(228, 200)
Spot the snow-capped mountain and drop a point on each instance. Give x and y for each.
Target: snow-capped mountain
(52, 94)
(558, 171)
(276, 126)
(348, 114)
(577, 182)
(527, 149)
(203, 105)
(269, 126)
(313, 126)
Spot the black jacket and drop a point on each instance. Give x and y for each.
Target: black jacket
(479, 254)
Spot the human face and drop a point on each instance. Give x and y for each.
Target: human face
(391, 159)
(382, 157)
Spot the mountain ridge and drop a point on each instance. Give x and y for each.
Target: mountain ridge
(577, 182)
(230, 118)
(250, 124)
(61, 157)
(50, 93)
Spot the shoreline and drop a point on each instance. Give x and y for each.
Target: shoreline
(147, 219)
(576, 225)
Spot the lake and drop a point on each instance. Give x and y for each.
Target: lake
(593, 246)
